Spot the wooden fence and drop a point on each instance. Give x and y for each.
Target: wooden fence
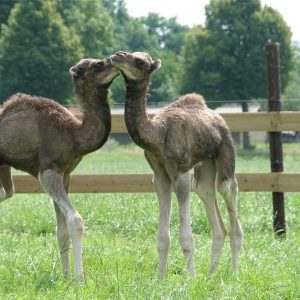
(142, 183)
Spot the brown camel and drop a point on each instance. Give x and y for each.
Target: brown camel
(184, 135)
(42, 138)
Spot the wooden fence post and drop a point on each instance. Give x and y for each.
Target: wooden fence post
(276, 155)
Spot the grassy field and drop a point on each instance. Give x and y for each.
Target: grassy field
(120, 258)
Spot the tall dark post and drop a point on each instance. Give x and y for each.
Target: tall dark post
(276, 156)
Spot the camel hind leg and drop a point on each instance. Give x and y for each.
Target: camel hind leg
(204, 185)
(227, 186)
(6, 184)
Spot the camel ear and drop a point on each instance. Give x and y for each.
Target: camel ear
(156, 65)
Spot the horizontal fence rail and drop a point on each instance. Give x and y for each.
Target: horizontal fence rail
(142, 183)
(238, 122)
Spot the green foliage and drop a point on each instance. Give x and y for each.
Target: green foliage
(124, 29)
(168, 32)
(91, 23)
(55, 34)
(200, 71)
(291, 96)
(225, 60)
(164, 85)
(36, 52)
(5, 8)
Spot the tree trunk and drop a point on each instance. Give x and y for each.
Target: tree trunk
(246, 136)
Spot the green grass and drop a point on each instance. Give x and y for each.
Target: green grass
(120, 258)
(130, 159)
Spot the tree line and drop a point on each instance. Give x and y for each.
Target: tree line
(222, 60)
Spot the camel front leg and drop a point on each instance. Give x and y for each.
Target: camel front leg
(6, 184)
(162, 184)
(52, 182)
(62, 234)
(2, 192)
(63, 240)
(163, 189)
(183, 190)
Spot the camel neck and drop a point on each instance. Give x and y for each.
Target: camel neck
(139, 125)
(96, 119)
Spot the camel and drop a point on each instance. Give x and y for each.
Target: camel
(184, 135)
(44, 139)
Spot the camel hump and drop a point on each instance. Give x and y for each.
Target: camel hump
(22, 101)
(194, 100)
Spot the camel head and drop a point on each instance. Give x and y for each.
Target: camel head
(94, 71)
(136, 66)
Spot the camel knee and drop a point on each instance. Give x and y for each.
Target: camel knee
(228, 186)
(187, 242)
(163, 241)
(219, 239)
(75, 225)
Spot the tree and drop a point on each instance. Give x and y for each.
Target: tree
(291, 96)
(92, 24)
(5, 8)
(121, 21)
(36, 52)
(228, 54)
(168, 32)
(164, 85)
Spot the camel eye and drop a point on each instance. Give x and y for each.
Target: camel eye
(139, 62)
(99, 65)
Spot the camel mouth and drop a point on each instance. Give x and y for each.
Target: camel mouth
(115, 59)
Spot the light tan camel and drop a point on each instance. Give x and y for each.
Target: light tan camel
(184, 135)
(42, 138)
